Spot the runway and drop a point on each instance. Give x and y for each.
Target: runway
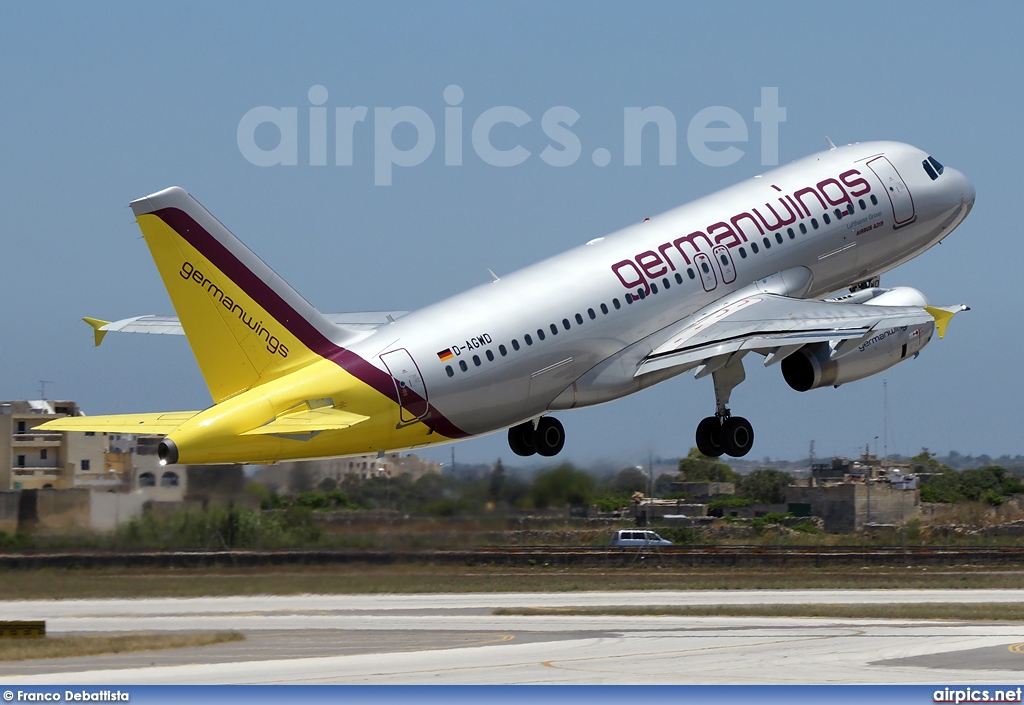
(456, 639)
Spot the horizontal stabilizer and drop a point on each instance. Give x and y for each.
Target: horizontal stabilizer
(158, 423)
(308, 421)
(171, 325)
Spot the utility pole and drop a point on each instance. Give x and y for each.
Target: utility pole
(453, 461)
(650, 487)
(885, 421)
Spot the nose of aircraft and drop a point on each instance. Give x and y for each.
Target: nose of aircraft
(963, 189)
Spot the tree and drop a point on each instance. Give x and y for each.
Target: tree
(989, 484)
(767, 486)
(697, 467)
(560, 486)
(496, 485)
(663, 484)
(925, 461)
(630, 480)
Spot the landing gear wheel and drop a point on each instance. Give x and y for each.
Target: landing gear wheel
(709, 437)
(549, 437)
(737, 436)
(520, 439)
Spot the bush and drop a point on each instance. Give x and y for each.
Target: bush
(323, 501)
(761, 523)
(806, 527)
(612, 502)
(679, 534)
(16, 542)
(717, 507)
(220, 527)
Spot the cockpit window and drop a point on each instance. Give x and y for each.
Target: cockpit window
(932, 167)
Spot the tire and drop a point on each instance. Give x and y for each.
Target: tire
(520, 439)
(737, 436)
(549, 438)
(709, 437)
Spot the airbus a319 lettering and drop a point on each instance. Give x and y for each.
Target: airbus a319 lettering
(698, 288)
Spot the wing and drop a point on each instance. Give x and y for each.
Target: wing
(170, 325)
(775, 326)
(164, 423)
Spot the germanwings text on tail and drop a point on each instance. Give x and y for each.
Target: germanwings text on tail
(785, 265)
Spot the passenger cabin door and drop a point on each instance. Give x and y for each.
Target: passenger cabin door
(899, 195)
(725, 264)
(706, 270)
(412, 392)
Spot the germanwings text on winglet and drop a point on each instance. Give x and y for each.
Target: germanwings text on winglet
(697, 288)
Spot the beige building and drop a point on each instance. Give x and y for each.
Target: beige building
(31, 459)
(392, 464)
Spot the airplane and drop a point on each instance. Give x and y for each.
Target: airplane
(786, 265)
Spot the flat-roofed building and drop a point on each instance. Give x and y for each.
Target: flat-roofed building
(31, 459)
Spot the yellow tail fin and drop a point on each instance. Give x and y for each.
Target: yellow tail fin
(245, 324)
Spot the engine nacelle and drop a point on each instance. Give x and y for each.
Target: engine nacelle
(811, 366)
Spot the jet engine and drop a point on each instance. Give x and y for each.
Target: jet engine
(838, 362)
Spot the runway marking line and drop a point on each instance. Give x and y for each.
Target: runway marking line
(551, 664)
(1016, 648)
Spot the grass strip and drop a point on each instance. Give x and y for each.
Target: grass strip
(94, 645)
(66, 583)
(1001, 611)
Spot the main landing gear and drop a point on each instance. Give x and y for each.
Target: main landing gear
(545, 437)
(723, 433)
(731, 435)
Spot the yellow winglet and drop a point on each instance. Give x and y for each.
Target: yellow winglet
(97, 324)
(943, 314)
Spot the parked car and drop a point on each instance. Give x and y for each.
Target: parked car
(638, 538)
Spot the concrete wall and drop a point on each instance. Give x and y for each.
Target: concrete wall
(847, 507)
(108, 509)
(9, 503)
(60, 511)
(703, 491)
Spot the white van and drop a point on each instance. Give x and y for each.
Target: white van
(638, 538)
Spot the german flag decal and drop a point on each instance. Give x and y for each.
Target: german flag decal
(445, 355)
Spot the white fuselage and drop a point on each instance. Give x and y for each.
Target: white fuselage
(570, 331)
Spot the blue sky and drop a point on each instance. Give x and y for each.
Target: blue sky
(106, 102)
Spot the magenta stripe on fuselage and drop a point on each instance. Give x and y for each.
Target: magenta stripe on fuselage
(260, 292)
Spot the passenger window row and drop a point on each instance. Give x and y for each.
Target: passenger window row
(839, 213)
(553, 329)
(641, 293)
